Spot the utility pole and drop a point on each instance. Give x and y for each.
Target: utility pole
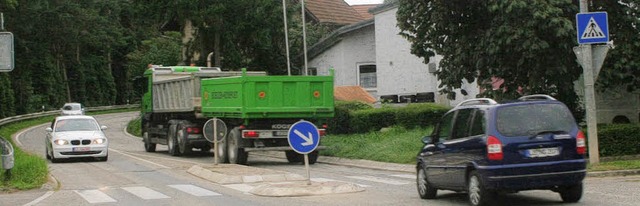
(589, 95)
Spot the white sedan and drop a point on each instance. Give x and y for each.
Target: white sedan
(76, 136)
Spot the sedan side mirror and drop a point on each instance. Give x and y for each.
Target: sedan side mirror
(48, 129)
(103, 127)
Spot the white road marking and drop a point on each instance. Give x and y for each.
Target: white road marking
(240, 187)
(194, 190)
(17, 136)
(36, 201)
(380, 180)
(332, 180)
(145, 193)
(134, 157)
(405, 176)
(95, 196)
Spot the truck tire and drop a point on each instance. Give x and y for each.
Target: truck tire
(148, 146)
(237, 155)
(172, 143)
(222, 150)
(293, 156)
(313, 157)
(181, 137)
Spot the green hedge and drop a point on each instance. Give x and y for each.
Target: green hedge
(619, 139)
(340, 123)
(355, 117)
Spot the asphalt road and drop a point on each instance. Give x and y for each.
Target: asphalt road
(132, 176)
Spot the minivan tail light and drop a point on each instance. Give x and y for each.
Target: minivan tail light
(494, 148)
(581, 146)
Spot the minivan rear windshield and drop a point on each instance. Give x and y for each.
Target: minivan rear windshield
(531, 119)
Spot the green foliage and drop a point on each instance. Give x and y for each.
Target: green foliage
(133, 127)
(340, 122)
(619, 139)
(420, 115)
(372, 119)
(396, 145)
(526, 43)
(6, 97)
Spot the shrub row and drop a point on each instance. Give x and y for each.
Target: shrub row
(355, 117)
(619, 139)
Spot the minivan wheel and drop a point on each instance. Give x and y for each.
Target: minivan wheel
(572, 193)
(425, 189)
(478, 195)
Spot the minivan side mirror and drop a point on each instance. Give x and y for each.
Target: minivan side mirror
(427, 140)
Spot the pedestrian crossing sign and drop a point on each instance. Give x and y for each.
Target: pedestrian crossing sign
(592, 27)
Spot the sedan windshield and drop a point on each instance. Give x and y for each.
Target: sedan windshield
(76, 125)
(532, 119)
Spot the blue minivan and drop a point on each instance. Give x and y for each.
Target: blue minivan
(484, 148)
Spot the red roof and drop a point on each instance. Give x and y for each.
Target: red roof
(333, 11)
(352, 93)
(363, 10)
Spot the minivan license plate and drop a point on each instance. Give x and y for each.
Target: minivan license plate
(543, 152)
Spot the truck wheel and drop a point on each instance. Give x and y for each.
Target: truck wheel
(237, 155)
(181, 137)
(313, 157)
(171, 141)
(293, 156)
(148, 146)
(222, 150)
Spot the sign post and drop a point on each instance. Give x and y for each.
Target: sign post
(214, 131)
(303, 138)
(592, 28)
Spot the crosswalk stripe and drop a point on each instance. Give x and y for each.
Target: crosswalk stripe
(194, 190)
(331, 180)
(405, 176)
(145, 193)
(95, 196)
(378, 179)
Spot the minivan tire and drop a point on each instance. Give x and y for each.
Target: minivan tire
(425, 189)
(478, 195)
(572, 193)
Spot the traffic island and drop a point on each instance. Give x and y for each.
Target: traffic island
(303, 188)
(236, 174)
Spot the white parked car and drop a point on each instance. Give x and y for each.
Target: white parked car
(76, 136)
(72, 109)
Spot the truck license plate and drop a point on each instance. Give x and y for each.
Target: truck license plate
(281, 133)
(543, 152)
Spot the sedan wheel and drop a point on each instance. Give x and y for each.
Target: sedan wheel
(425, 189)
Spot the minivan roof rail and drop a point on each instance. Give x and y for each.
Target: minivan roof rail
(477, 101)
(536, 97)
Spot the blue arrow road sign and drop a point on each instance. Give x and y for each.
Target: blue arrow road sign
(592, 27)
(303, 137)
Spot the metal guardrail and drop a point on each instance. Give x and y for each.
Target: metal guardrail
(6, 148)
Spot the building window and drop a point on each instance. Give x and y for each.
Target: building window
(367, 76)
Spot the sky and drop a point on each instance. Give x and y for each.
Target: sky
(354, 2)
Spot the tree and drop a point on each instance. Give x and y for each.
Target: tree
(526, 43)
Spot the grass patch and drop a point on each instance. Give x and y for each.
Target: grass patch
(133, 127)
(616, 165)
(397, 145)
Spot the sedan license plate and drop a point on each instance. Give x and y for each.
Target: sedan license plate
(543, 152)
(81, 149)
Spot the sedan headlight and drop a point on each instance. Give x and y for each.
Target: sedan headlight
(99, 141)
(60, 142)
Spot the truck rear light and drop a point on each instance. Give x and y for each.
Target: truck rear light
(242, 127)
(250, 134)
(193, 130)
(322, 132)
(325, 126)
(581, 146)
(494, 148)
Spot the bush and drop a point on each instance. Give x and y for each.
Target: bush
(340, 123)
(372, 119)
(420, 115)
(619, 139)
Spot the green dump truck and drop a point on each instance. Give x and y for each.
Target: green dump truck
(258, 110)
